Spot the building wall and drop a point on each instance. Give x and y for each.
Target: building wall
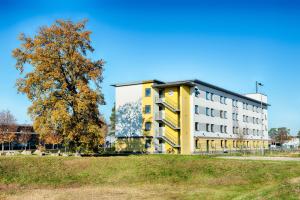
(185, 116)
(129, 110)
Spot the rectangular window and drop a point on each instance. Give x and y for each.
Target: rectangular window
(147, 109)
(212, 128)
(196, 126)
(207, 111)
(147, 126)
(221, 99)
(196, 109)
(221, 128)
(225, 100)
(212, 97)
(197, 143)
(225, 114)
(207, 127)
(148, 92)
(222, 145)
(225, 129)
(207, 96)
(221, 114)
(212, 112)
(244, 105)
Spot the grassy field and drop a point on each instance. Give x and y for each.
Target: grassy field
(147, 177)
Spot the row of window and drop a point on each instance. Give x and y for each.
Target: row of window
(224, 144)
(253, 119)
(210, 97)
(246, 131)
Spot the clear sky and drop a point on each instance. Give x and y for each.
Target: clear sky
(228, 43)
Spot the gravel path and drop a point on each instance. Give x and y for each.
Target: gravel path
(260, 158)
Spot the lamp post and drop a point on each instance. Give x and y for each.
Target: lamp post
(261, 112)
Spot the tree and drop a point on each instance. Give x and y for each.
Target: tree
(298, 135)
(113, 119)
(64, 85)
(24, 138)
(54, 139)
(7, 127)
(283, 135)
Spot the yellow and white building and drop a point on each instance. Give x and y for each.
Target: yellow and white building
(188, 117)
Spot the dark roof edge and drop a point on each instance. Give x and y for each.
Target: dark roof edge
(228, 91)
(137, 83)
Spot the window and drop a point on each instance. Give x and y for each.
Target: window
(212, 128)
(212, 112)
(233, 143)
(207, 127)
(147, 126)
(197, 143)
(225, 100)
(246, 106)
(221, 99)
(148, 92)
(197, 92)
(207, 112)
(196, 109)
(233, 116)
(237, 117)
(196, 126)
(212, 97)
(233, 130)
(225, 129)
(225, 143)
(222, 128)
(222, 145)
(208, 96)
(147, 109)
(225, 114)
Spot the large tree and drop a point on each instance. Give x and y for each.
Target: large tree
(63, 84)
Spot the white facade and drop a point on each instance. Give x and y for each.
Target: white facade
(229, 115)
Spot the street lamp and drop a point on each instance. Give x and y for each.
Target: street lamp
(261, 111)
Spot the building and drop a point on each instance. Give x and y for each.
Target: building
(188, 117)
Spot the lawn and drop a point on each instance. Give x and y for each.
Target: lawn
(147, 177)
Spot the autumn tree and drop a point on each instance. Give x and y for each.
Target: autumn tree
(113, 120)
(24, 138)
(53, 138)
(7, 128)
(64, 85)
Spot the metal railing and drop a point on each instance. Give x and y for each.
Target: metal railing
(168, 101)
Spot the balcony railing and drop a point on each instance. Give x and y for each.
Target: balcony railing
(168, 102)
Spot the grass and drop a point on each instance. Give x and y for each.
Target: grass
(145, 177)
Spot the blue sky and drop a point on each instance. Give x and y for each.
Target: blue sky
(228, 43)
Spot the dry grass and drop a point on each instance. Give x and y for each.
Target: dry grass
(147, 177)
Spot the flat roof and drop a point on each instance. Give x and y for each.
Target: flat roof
(191, 83)
(137, 83)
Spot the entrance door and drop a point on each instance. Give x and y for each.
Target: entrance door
(207, 146)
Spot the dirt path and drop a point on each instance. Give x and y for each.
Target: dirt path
(260, 158)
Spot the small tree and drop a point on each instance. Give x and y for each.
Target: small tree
(7, 128)
(2, 140)
(112, 120)
(24, 138)
(10, 138)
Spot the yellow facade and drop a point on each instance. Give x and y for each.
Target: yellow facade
(212, 145)
(185, 132)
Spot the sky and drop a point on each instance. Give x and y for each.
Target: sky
(230, 44)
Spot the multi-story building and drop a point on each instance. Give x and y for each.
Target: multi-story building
(188, 117)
